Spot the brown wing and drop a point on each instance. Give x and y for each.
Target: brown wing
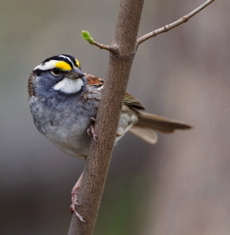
(93, 80)
(99, 82)
(132, 102)
(147, 123)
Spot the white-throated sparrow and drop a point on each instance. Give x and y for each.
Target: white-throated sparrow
(64, 103)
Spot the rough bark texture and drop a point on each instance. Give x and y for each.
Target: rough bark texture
(95, 172)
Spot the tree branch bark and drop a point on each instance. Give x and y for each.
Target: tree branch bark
(97, 164)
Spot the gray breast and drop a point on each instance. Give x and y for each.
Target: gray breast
(65, 122)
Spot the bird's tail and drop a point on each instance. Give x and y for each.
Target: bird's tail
(149, 123)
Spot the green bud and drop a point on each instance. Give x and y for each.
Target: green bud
(86, 35)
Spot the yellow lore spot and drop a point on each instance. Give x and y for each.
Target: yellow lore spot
(63, 66)
(78, 63)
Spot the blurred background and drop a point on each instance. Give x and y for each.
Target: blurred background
(179, 186)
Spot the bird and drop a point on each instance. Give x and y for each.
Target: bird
(64, 102)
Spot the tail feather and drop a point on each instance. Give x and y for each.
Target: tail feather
(159, 123)
(145, 133)
(147, 123)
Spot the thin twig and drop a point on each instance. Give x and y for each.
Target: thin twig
(102, 46)
(86, 35)
(109, 48)
(176, 23)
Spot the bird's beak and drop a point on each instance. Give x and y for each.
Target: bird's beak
(75, 74)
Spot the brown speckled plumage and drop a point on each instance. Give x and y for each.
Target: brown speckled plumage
(30, 87)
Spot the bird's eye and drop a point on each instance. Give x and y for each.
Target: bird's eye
(56, 71)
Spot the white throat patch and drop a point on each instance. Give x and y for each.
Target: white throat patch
(69, 86)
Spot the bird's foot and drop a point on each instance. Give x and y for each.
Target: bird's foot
(73, 207)
(91, 130)
(74, 199)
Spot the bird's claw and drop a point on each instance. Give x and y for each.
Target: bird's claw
(91, 130)
(73, 208)
(74, 199)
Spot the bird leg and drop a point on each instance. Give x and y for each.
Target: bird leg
(74, 194)
(91, 130)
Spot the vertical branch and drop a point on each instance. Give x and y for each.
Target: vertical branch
(122, 51)
(97, 165)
